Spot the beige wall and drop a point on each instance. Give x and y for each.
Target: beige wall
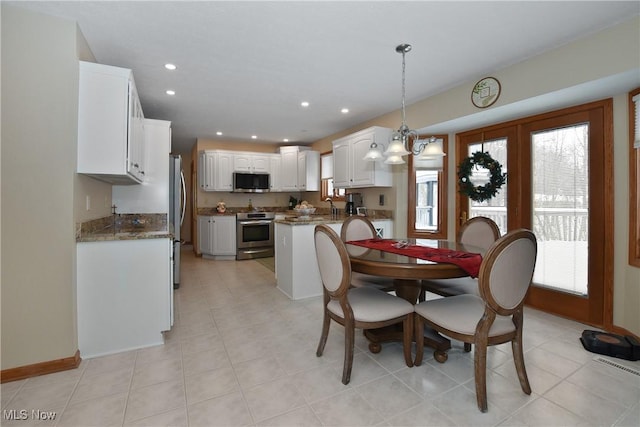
(609, 53)
(39, 127)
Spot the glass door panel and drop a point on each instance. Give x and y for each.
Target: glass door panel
(560, 207)
(496, 207)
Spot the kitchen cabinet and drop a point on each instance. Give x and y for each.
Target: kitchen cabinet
(350, 171)
(215, 170)
(124, 294)
(300, 169)
(275, 165)
(251, 162)
(110, 125)
(153, 196)
(217, 236)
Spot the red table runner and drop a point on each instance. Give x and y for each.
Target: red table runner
(469, 262)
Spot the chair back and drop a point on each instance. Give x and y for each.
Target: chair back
(479, 231)
(333, 261)
(507, 270)
(357, 228)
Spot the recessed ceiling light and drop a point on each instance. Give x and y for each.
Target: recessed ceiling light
(170, 92)
(304, 103)
(254, 137)
(344, 110)
(170, 67)
(285, 140)
(219, 133)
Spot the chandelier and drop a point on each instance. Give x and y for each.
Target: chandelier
(398, 148)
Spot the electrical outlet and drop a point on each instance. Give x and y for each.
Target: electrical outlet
(381, 200)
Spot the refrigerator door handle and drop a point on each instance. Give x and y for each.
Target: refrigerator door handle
(184, 197)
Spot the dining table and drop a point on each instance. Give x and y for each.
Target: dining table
(409, 261)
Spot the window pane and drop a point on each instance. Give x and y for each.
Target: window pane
(560, 164)
(426, 200)
(496, 207)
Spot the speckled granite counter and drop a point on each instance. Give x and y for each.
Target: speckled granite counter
(326, 218)
(124, 227)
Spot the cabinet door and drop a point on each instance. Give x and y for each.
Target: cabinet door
(204, 235)
(341, 164)
(135, 141)
(224, 235)
(242, 162)
(289, 171)
(224, 171)
(208, 161)
(260, 163)
(274, 173)
(302, 171)
(362, 171)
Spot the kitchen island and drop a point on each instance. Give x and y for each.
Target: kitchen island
(297, 273)
(124, 283)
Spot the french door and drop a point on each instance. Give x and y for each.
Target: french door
(559, 185)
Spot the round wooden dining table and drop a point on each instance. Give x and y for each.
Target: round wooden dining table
(407, 273)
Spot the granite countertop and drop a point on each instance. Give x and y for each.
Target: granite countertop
(124, 227)
(328, 219)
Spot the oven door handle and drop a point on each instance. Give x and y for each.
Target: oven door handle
(265, 222)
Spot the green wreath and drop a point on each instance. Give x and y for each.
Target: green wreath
(480, 193)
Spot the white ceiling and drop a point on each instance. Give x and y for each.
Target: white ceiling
(244, 67)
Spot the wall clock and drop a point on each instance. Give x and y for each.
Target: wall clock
(486, 92)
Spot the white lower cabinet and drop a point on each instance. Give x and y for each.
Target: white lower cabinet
(217, 236)
(125, 294)
(297, 273)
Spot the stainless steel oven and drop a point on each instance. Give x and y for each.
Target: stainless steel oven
(254, 235)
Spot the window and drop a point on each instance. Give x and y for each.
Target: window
(428, 197)
(634, 177)
(326, 181)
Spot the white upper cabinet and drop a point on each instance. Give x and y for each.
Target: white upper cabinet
(275, 181)
(215, 170)
(350, 171)
(300, 169)
(251, 162)
(110, 125)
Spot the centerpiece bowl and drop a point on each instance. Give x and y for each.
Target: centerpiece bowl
(304, 213)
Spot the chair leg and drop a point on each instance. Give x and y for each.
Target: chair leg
(349, 337)
(407, 339)
(326, 322)
(518, 355)
(480, 368)
(419, 337)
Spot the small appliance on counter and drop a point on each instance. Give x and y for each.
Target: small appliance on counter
(354, 201)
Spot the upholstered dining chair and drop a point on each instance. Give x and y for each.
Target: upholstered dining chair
(360, 228)
(480, 232)
(493, 317)
(362, 308)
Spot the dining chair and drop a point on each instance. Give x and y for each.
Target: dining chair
(360, 228)
(480, 232)
(362, 308)
(495, 316)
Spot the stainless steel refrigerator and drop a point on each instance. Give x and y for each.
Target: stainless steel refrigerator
(177, 205)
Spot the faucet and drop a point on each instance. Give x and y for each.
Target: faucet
(334, 210)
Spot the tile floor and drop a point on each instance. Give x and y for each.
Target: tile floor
(242, 354)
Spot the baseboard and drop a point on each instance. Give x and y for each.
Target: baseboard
(42, 368)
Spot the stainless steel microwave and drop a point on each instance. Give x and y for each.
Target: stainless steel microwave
(250, 182)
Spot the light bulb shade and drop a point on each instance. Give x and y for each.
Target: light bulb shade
(394, 159)
(396, 148)
(374, 154)
(432, 150)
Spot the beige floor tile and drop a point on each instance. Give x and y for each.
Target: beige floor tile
(273, 398)
(591, 407)
(300, 417)
(210, 384)
(389, 396)
(226, 411)
(424, 414)
(461, 406)
(426, 380)
(258, 371)
(348, 408)
(155, 399)
(320, 383)
(103, 411)
(101, 385)
(173, 418)
(543, 413)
